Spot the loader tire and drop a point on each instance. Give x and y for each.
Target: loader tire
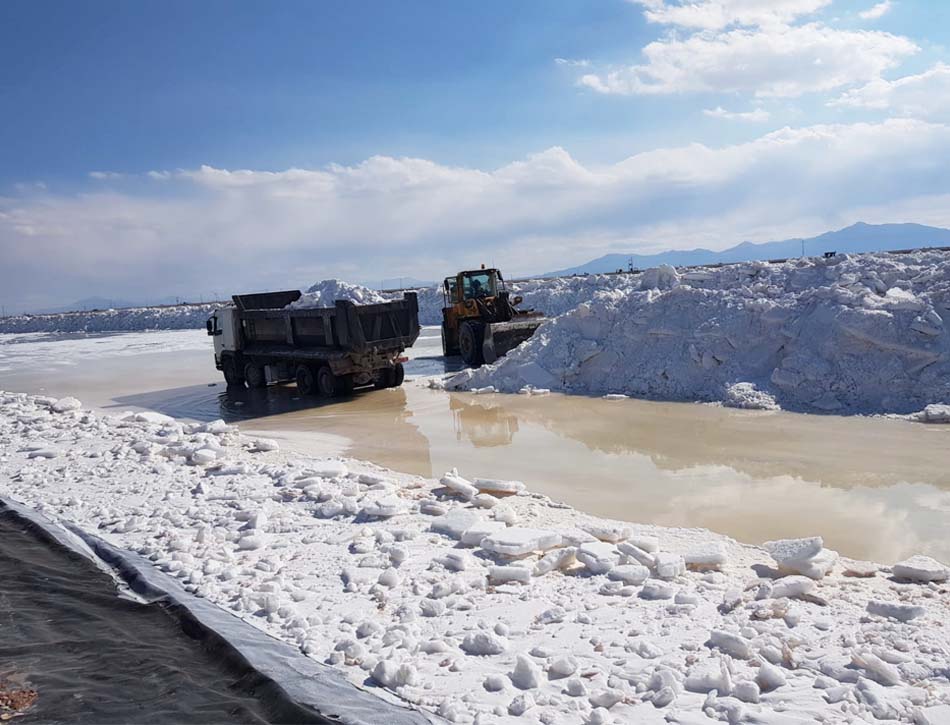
(447, 348)
(306, 380)
(471, 335)
(254, 376)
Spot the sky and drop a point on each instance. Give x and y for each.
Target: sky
(198, 149)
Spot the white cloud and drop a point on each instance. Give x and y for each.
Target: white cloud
(718, 14)
(779, 61)
(926, 95)
(385, 217)
(104, 175)
(758, 115)
(876, 11)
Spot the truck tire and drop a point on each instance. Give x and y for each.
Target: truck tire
(328, 384)
(231, 375)
(384, 378)
(306, 380)
(254, 375)
(398, 375)
(470, 342)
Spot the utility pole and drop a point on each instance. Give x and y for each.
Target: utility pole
(803, 247)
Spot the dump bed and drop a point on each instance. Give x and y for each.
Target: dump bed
(345, 327)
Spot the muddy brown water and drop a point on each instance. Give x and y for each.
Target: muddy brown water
(874, 488)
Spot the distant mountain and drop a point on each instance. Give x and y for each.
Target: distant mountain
(858, 237)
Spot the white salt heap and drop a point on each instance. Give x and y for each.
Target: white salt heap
(855, 334)
(527, 611)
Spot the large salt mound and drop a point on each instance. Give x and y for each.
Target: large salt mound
(325, 293)
(861, 334)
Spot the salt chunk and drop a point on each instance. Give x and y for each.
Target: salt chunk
(632, 551)
(876, 668)
(557, 559)
(792, 586)
(504, 574)
(656, 590)
(605, 698)
(483, 643)
(384, 508)
(523, 702)
(857, 568)
(730, 643)
(474, 535)
(921, 568)
(563, 667)
(901, 612)
(770, 677)
(607, 532)
(390, 675)
(262, 445)
(389, 578)
(935, 715)
(64, 405)
(518, 542)
(526, 674)
(710, 555)
(498, 487)
(251, 542)
(633, 574)
(455, 522)
(458, 485)
(203, 456)
(669, 566)
(649, 544)
(793, 551)
(494, 683)
(746, 691)
(598, 556)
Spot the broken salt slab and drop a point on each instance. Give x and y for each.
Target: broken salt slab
(557, 559)
(920, 568)
(792, 586)
(474, 535)
(505, 574)
(203, 456)
(262, 445)
(858, 568)
(605, 531)
(894, 610)
(669, 566)
(483, 642)
(384, 508)
(730, 643)
(598, 556)
(458, 485)
(455, 522)
(64, 405)
(634, 574)
(518, 542)
(328, 469)
(498, 487)
(710, 555)
(615, 396)
(793, 551)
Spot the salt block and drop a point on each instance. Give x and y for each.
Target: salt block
(792, 586)
(794, 551)
(730, 643)
(203, 456)
(710, 555)
(921, 568)
(526, 675)
(649, 544)
(608, 532)
(262, 445)
(598, 556)
(634, 552)
(629, 574)
(498, 487)
(517, 542)
(815, 567)
(473, 536)
(328, 469)
(653, 590)
(455, 522)
(483, 643)
(936, 715)
(384, 508)
(458, 485)
(557, 559)
(894, 610)
(857, 568)
(150, 416)
(669, 566)
(64, 405)
(505, 574)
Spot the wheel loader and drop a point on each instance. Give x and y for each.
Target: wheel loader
(480, 321)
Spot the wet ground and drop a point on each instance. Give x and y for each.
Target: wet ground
(71, 650)
(874, 488)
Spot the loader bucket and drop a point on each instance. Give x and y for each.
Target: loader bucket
(500, 337)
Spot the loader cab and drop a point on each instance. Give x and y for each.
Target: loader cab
(471, 285)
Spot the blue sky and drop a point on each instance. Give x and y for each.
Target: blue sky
(280, 143)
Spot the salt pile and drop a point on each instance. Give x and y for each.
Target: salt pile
(325, 293)
(523, 611)
(848, 334)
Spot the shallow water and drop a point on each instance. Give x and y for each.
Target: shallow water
(874, 488)
(93, 657)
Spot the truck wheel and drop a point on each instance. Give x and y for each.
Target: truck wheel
(231, 376)
(328, 384)
(470, 343)
(398, 374)
(306, 380)
(254, 375)
(384, 378)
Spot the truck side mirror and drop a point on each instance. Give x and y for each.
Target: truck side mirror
(209, 326)
(517, 300)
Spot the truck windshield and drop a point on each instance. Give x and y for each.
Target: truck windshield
(478, 284)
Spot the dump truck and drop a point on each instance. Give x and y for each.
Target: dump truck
(480, 320)
(259, 340)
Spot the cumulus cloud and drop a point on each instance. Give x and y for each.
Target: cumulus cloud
(926, 95)
(876, 11)
(757, 115)
(718, 14)
(196, 230)
(779, 61)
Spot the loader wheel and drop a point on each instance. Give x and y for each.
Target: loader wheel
(328, 384)
(231, 375)
(254, 375)
(448, 349)
(306, 380)
(470, 343)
